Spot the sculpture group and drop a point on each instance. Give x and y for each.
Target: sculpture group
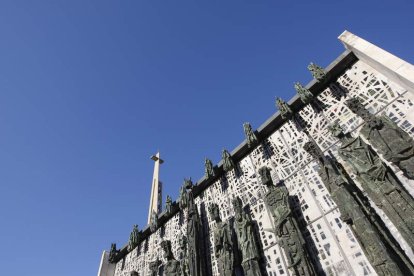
(358, 178)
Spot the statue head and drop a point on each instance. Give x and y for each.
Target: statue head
(214, 212)
(265, 176)
(166, 246)
(238, 208)
(188, 184)
(356, 106)
(313, 149)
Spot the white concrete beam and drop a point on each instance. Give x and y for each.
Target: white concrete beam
(394, 68)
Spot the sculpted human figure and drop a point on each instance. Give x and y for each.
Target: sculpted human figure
(183, 199)
(208, 168)
(133, 238)
(286, 227)
(386, 137)
(154, 267)
(183, 256)
(317, 72)
(223, 245)
(305, 95)
(244, 228)
(353, 214)
(284, 108)
(250, 136)
(168, 204)
(194, 236)
(228, 163)
(379, 182)
(154, 221)
(172, 266)
(113, 253)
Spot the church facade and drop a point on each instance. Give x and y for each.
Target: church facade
(324, 187)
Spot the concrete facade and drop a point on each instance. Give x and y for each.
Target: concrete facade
(384, 84)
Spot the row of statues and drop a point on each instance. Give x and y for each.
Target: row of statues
(237, 236)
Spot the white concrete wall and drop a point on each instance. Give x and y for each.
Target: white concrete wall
(396, 69)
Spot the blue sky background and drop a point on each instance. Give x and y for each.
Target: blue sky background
(90, 89)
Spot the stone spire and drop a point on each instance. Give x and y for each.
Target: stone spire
(156, 190)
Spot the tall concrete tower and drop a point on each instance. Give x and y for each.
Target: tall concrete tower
(156, 190)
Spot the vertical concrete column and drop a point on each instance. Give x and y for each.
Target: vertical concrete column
(106, 268)
(392, 67)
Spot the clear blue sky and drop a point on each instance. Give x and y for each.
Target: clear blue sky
(90, 89)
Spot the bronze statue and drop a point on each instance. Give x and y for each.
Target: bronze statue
(183, 256)
(133, 238)
(244, 228)
(113, 253)
(379, 182)
(228, 163)
(183, 199)
(154, 222)
(286, 227)
(223, 244)
(208, 168)
(317, 72)
(250, 135)
(386, 137)
(168, 204)
(305, 95)
(194, 236)
(284, 109)
(353, 214)
(154, 267)
(172, 266)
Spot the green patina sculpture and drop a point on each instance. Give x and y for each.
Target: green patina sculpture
(284, 108)
(386, 137)
(154, 267)
(168, 204)
(305, 95)
(194, 236)
(113, 253)
(286, 228)
(172, 266)
(133, 238)
(223, 244)
(183, 256)
(317, 72)
(154, 222)
(208, 168)
(244, 228)
(352, 212)
(183, 198)
(228, 163)
(250, 135)
(379, 182)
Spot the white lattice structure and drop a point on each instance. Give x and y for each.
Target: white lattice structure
(330, 240)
